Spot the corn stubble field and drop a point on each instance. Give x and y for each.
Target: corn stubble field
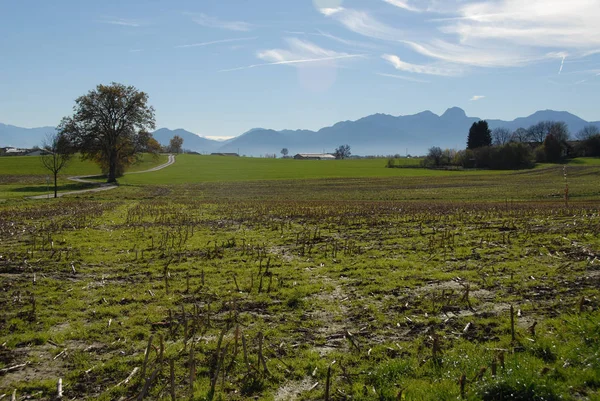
(477, 287)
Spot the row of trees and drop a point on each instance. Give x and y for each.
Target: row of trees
(480, 134)
(546, 141)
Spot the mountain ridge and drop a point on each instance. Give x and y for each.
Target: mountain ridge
(375, 134)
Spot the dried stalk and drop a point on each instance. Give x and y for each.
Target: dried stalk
(146, 356)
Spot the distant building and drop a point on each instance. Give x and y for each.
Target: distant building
(225, 154)
(314, 156)
(37, 152)
(12, 151)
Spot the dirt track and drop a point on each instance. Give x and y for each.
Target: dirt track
(101, 186)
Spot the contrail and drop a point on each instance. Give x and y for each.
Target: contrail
(308, 60)
(562, 63)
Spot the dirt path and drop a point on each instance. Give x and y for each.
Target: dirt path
(101, 186)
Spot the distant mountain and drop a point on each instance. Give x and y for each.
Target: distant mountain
(574, 123)
(377, 134)
(23, 137)
(190, 141)
(382, 134)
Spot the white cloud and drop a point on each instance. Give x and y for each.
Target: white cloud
(489, 34)
(331, 11)
(420, 69)
(476, 98)
(352, 43)
(477, 56)
(212, 22)
(363, 23)
(213, 42)
(402, 77)
(541, 23)
(299, 52)
(121, 21)
(404, 5)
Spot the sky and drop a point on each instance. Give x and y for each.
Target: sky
(221, 67)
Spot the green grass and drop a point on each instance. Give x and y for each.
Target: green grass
(196, 169)
(31, 165)
(343, 261)
(546, 182)
(303, 262)
(586, 161)
(22, 176)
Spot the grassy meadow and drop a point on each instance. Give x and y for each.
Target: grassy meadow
(232, 279)
(22, 176)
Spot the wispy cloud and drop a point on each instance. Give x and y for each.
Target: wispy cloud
(402, 77)
(490, 55)
(213, 22)
(136, 50)
(214, 42)
(292, 62)
(476, 98)
(351, 43)
(404, 5)
(420, 69)
(364, 23)
(299, 52)
(120, 21)
(485, 34)
(540, 23)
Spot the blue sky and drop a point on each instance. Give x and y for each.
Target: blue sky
(221, 67)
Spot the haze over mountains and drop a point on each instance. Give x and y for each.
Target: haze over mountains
(378, 134)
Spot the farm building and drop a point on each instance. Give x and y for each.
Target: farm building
(314, 156)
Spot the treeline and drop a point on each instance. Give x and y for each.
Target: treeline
(501, 149)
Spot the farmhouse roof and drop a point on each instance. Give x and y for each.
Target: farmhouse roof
(320, 156)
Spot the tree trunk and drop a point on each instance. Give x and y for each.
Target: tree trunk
(112, 167)
(55, 185)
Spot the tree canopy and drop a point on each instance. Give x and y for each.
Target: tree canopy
(479, 135)
(175, 144)
(552, 148)
(110, 125)
(342, 152)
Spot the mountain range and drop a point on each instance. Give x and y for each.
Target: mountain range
(377, 134)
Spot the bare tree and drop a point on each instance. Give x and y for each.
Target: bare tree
(56, 154)
(342, 152)
(538, 132)
(435, 154)
(501, 136)
(520, 135)
(559, 130)
(587, 132)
